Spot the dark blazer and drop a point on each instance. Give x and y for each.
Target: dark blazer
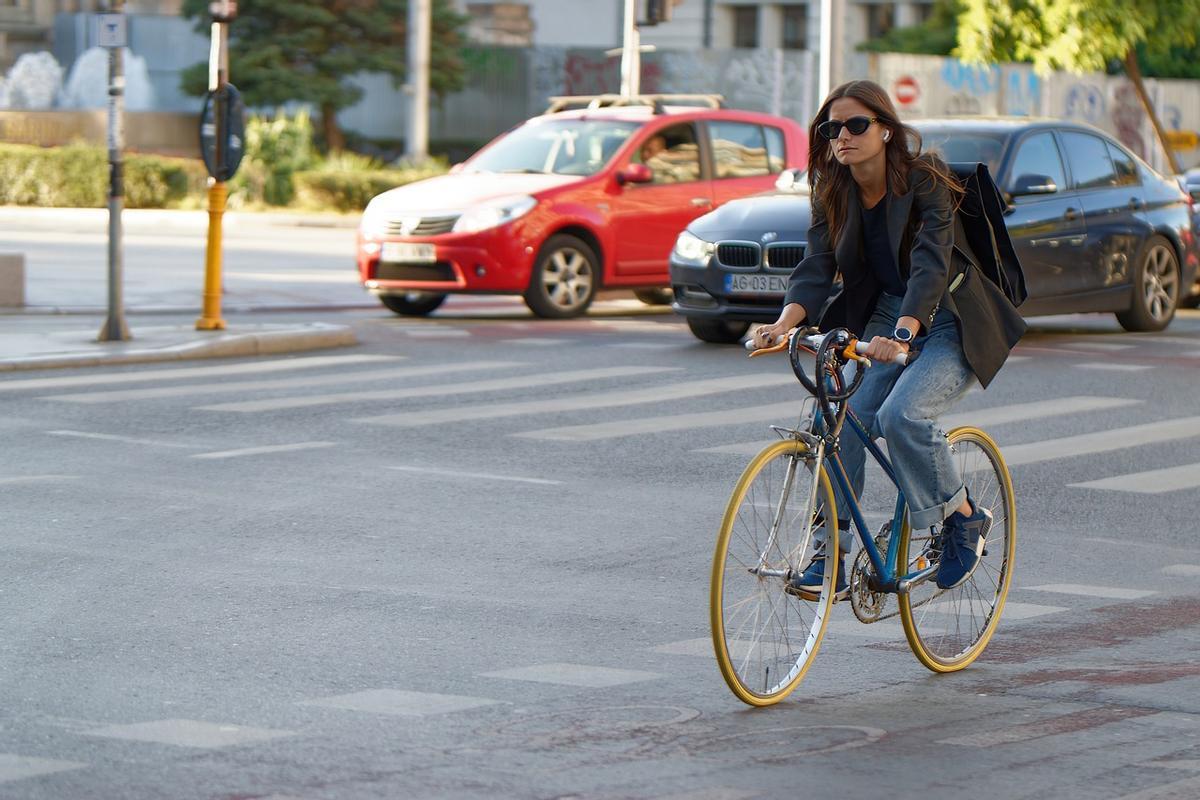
(932, 250)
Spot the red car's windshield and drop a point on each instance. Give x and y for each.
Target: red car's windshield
(563, 147)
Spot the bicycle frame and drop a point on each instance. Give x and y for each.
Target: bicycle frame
(885, 566)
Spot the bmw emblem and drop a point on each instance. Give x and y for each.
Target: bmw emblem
(769, 237)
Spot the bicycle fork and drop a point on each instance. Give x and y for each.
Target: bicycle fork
(762, 570)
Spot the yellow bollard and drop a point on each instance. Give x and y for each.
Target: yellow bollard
(210, 314)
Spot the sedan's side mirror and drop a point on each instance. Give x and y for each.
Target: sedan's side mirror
(634, 173)
(1033, 184)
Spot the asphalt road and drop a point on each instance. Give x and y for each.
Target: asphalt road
(457, 561)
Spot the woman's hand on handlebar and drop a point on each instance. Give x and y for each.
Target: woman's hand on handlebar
(883, 348)
(767, 335)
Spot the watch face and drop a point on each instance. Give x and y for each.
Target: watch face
(902, 335)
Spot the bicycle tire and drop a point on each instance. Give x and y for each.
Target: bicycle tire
(948, 629)
(747, 663)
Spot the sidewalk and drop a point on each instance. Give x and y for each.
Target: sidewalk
(42, 342)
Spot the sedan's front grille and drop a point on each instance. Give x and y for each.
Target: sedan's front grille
(784, 256)
(737, 255)
(437, 271)
(421, 226)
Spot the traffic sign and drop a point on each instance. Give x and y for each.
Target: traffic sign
(906, 90)
(1183, 140)
(232, 136)
(111, 31)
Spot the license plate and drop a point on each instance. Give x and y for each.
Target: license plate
(408, 252)
(756, 284)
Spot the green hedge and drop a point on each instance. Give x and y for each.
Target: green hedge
(76, 176)
(352, 190)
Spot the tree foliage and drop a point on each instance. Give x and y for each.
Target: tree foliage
(936, 36)
(1076, 35)
(305, 50)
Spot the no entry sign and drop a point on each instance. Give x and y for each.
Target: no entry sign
(906, 90)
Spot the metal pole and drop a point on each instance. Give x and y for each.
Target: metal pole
(115, 329)
(218, 75)
(825, 66)
(420, 24)
(631, 67)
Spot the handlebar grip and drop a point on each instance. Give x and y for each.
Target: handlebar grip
(861, 347)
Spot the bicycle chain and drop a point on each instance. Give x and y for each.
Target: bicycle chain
(868, 605)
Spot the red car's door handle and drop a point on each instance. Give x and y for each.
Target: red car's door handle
(701, 202)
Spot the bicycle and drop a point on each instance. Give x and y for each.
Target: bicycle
(765, 633)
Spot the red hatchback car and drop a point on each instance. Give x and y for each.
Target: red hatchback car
(568, 203)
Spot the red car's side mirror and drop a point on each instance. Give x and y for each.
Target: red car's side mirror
(635, 173)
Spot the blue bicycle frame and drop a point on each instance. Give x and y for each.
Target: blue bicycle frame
(885, 570)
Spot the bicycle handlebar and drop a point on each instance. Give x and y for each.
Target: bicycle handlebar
(813, 342)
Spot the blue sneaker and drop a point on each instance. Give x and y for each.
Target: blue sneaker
(808, 583)
(963, 539)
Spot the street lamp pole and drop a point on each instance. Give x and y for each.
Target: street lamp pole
(830, 65)
(420, 34)
(631, 55)
(112, 36)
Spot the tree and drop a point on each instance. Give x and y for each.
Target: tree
(305, 50)
(1079, 35)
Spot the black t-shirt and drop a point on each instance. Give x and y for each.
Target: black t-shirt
(878, 249)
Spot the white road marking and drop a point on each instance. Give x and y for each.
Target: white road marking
(1102, 441)
(1012, 611)
(983, 418)
(781, 412)
(453, 473)
(1092, 591)
(436, 332)
(1176, 790)
(401, 703)
(397, 374)
(36, 479)
(109, 437)
(439, 390)
(1100, 365)
(1182, 570)
(188, 733)
(620, 397)
(15, 767)
(253, 368)
(1154, 481)
(264, 450)
(539, 342)
(1100, 345)
(574, 675)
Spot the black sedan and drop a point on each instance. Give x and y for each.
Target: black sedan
(1096, 229)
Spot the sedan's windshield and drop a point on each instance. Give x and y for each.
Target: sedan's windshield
(969, 146)
(565, 147)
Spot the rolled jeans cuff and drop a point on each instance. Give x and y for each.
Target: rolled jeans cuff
(928, 517)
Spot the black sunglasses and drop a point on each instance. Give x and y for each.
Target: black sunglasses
(832, 128)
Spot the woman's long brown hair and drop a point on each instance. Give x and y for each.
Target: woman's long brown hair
(831, 182)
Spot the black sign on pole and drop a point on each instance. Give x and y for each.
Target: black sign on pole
(232, 137)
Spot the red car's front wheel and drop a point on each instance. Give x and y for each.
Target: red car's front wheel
(565, 278)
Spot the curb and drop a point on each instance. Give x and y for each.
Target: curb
(318, 337)
(156, 219)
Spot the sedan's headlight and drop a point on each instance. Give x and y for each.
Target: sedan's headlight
(690, 247)
(494, 212)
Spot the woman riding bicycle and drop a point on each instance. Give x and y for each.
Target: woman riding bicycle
(883, 216)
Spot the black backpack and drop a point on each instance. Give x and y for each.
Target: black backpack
(981, 217)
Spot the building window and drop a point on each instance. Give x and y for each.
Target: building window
(880, 20)
(745, 26)
(795, 27)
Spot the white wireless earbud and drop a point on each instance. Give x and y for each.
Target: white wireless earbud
(887, 135)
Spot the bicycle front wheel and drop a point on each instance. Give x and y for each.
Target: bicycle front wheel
(765, 637)
(948, 629)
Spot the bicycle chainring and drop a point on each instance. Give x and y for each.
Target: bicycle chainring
(868, 605)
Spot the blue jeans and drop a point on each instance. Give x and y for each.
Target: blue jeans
(902, 405)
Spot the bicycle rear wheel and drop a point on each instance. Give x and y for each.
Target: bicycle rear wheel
(948, 629)
(764, 637)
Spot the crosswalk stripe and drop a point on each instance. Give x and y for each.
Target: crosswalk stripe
(672, 422)
(1153, 481)
(438, 390)
(1107, 367)
(112, 437)
(35, 479)
(1100, 345)
(611, 399)
(341, 378)
(1102, 441)
(1106, 592)
(254, 368)
(983, 418)
(264, 450)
